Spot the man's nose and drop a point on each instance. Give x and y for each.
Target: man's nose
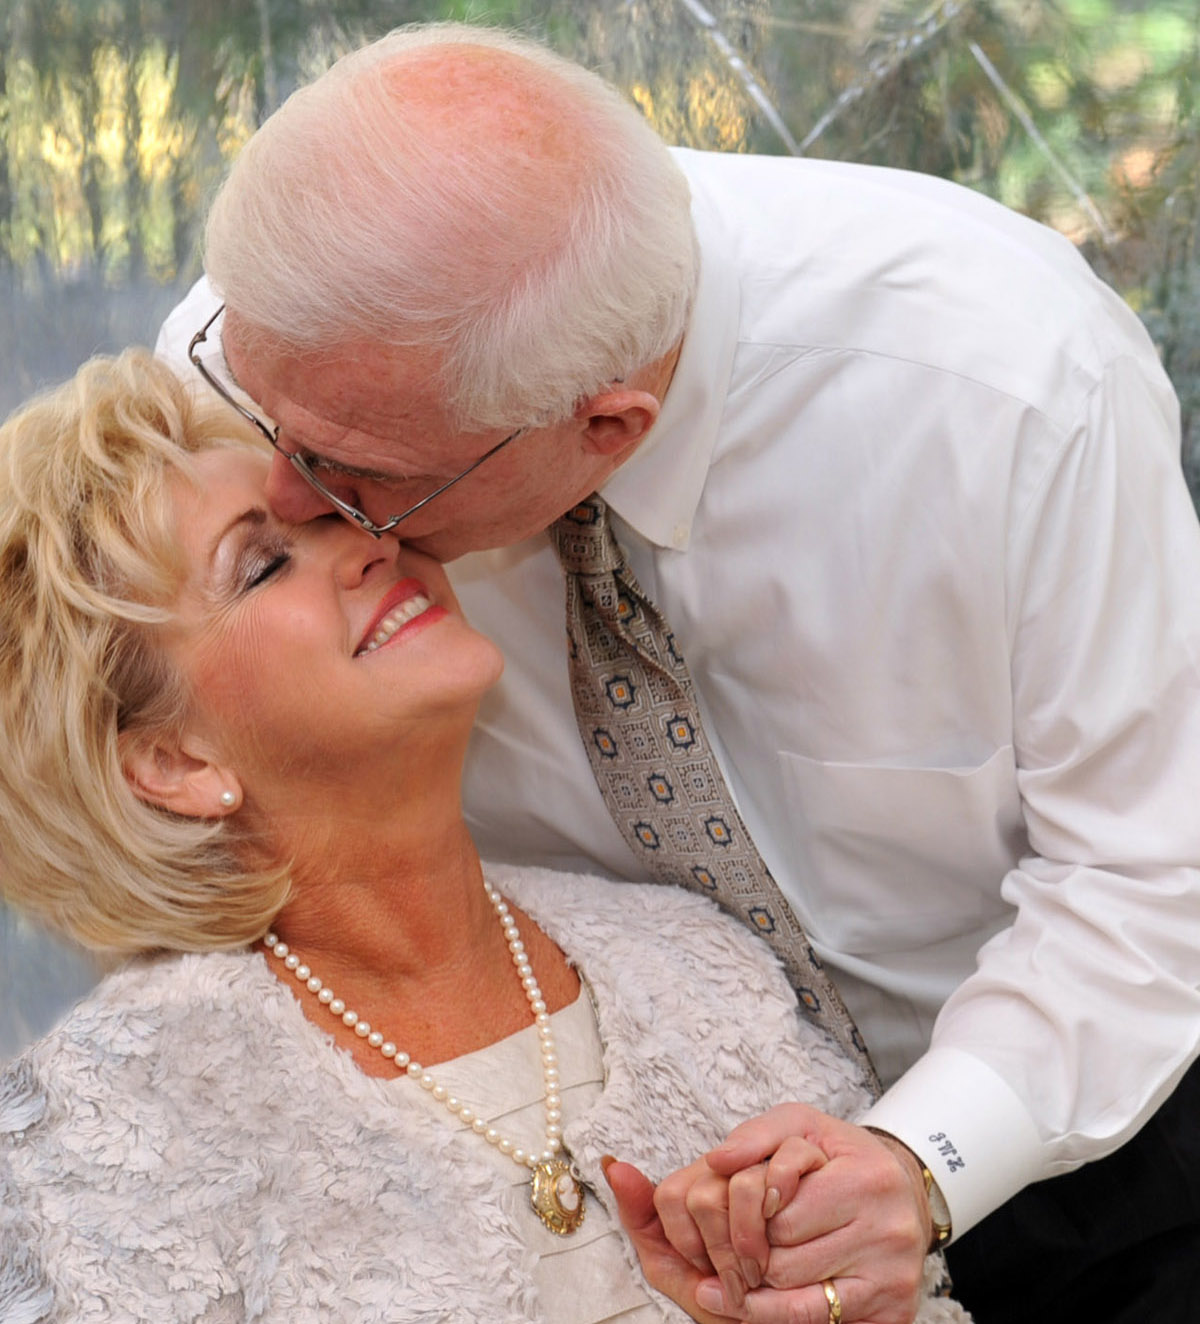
(290, 497)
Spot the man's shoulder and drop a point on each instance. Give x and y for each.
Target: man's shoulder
(889, 200)
(921, 274)
(182, 323)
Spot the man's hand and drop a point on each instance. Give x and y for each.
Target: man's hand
(837, 1203)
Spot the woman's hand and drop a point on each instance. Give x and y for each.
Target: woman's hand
(837, 1203)
(665, 1268)
(718, 1223)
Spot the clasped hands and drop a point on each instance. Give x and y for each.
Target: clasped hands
(792, 1199)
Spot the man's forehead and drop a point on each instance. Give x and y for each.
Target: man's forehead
(340, 402)
(412, 364)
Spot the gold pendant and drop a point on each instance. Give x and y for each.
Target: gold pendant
(556, 1196)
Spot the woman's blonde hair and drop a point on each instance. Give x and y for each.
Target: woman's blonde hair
(89, 568)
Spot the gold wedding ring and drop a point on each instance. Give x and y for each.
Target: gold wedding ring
(835, 1301)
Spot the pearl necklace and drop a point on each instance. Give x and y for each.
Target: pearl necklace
(555, 1192)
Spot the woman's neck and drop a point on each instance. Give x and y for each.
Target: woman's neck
(399, 926)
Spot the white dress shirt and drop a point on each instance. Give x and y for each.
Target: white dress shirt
(914, 511)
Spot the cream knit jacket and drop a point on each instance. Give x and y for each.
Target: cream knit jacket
(187, 1146)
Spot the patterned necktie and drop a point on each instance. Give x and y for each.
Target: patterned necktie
(640, 725)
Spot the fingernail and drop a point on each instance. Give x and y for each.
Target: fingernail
(771, 1202)
(606, 1162)
(734, 1288)
(710, 1297)
(751, 1273)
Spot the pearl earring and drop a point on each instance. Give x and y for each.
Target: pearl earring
(228, 799)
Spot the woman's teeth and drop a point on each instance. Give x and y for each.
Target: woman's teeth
(398, 616)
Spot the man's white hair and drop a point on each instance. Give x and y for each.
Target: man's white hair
(537, 262)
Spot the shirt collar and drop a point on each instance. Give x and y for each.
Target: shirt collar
(656, 491)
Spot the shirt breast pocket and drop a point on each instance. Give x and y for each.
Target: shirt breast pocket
(891, 856)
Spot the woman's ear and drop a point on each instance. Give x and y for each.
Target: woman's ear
(182, 774)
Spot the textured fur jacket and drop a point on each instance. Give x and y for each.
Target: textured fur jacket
(186, 1146)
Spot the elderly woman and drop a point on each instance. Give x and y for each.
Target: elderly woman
(341, 1071)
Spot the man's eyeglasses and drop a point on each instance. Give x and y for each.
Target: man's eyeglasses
(304, 466)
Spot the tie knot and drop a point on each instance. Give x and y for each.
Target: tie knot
(584, 541)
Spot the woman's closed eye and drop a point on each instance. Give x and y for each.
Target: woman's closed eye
(261, 561)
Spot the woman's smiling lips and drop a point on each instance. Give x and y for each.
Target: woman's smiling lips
(403, 604)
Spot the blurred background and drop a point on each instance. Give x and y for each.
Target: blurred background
(119, 117)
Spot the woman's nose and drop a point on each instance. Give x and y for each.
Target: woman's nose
(349, 552)
(358, 554)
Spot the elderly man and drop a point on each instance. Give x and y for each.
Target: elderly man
(896, 651)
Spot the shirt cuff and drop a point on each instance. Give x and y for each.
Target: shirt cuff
(968, 1127)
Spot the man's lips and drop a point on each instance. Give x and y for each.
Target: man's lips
(405, 602)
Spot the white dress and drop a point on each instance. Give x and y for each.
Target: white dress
(188, 1148)
(582, 1278)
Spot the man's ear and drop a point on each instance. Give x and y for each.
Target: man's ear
(615, 421)
(180, 773)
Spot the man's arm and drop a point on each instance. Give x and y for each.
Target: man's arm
(1085, 1012)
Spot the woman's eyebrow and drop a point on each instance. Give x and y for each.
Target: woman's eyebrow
(254, 517)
